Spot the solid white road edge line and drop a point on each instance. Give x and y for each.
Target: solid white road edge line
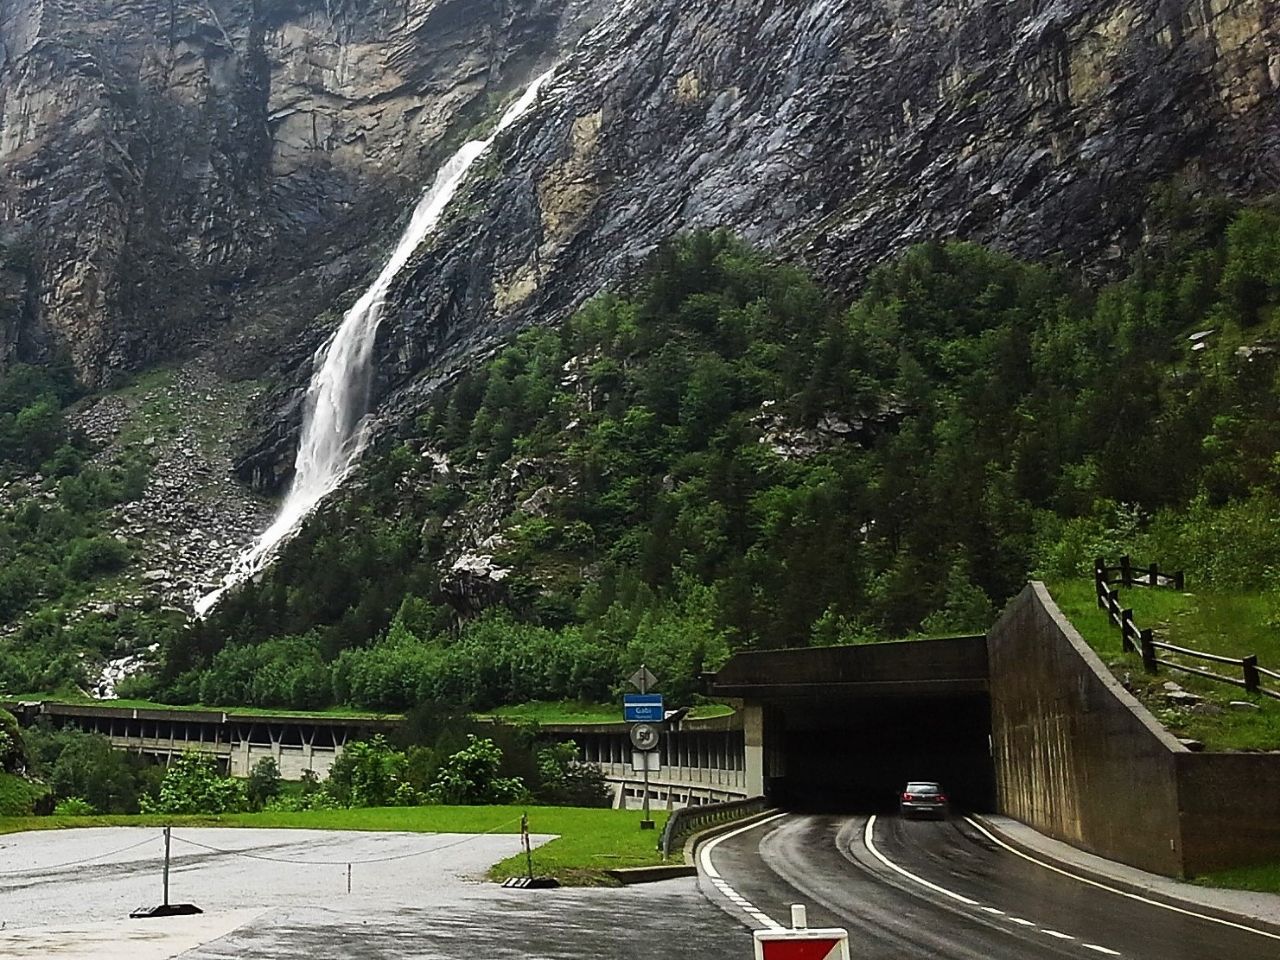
(704, 860)
(869, 840)
(870, 843)
(1120, 893)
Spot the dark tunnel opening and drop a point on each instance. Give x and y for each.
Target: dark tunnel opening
(856, 754)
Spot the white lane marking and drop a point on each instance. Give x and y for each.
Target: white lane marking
(871, 845)
(723, 885)
(868, 838)
(1120, 893)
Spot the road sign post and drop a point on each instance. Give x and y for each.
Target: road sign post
(642, 711)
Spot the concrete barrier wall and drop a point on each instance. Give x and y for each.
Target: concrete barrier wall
(1230, 809)
(1076, 756)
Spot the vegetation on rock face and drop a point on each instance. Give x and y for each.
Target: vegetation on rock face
(56, 540)
(717, 456)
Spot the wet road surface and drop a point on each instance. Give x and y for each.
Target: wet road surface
(275, 894)
(944, 890)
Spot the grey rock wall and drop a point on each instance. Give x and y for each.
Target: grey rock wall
(187, 168)
(836, 132)
(175, 165)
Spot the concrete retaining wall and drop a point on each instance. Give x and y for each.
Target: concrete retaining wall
(1230, 809)
(1078, 758)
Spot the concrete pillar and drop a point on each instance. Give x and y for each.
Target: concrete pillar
(753, 738)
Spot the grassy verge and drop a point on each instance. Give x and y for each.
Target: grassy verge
(577, 712)
(589, 842)
(1227, 624)
(348, 713)
(536, 711)
(1265, 878)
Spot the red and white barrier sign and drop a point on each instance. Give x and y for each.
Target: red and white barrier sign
(830, 944)
(801, 943)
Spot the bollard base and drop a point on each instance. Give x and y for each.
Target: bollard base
(532, 883)
(166, 910)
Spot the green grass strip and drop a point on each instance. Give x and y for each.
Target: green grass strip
(589, 840)
(1264, 878)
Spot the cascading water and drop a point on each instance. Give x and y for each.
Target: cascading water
(334, 425)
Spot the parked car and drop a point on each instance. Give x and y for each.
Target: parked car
(923, 798)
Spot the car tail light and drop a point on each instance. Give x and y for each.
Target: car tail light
(941, 798)
(907, 797)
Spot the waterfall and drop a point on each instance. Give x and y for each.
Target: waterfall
(335, 417)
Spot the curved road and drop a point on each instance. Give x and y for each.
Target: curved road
(947, 891)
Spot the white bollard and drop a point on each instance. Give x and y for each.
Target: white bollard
(799, 917)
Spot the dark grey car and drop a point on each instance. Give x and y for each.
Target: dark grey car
(923, 798)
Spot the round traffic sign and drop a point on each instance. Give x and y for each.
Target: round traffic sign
(644, 736)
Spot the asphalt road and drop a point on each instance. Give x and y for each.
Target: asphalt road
(283, 894)
(944, 891)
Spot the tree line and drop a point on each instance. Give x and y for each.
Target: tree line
(718, 455)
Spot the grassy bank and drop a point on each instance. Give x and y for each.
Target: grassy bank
(1264, 879)
(1230, 624)
(537, 711)
(589, 841)
(577, 712)
(81, 700)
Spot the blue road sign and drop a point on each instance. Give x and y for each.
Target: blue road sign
(642, 707)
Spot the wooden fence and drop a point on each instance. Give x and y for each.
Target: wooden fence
(1143, 641)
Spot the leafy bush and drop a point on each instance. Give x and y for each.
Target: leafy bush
(192, 784)
(470, 776)
(73, 807)
(263, 784)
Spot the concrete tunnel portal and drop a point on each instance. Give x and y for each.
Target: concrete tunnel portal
(844, 728)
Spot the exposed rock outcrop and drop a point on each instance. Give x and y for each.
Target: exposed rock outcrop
(175, 163)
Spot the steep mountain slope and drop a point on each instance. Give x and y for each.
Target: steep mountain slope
(837, 131)
(167, 166)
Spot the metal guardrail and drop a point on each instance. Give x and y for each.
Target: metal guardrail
(1144, 643)
(688, 820)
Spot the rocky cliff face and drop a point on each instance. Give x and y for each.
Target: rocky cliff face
(184, 164)
(836, 132)
(173, 165)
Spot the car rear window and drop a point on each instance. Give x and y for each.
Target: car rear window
(923, 788)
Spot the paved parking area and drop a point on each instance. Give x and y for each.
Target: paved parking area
(283, 893)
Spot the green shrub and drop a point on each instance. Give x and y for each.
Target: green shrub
(73, 807)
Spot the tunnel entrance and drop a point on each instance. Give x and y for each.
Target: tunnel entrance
(858, 754)
(846, 728)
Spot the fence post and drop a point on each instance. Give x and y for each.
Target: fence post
(1126, 630)
(1153, 575)
(1126, 571)
(1250, 666)
(1178, 582)
(1148, 650)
